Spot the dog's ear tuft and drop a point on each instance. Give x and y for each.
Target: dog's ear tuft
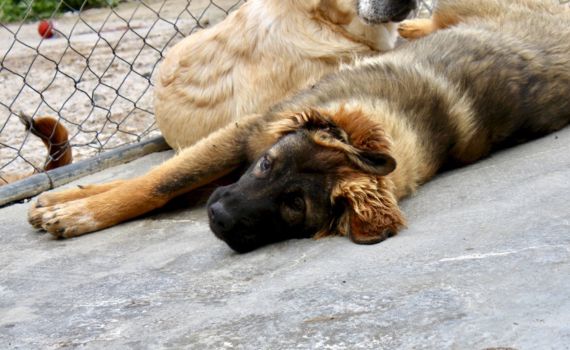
(369, 145)
(362, 232)
(362, 140)
(375, 163)
(371, 208)
(289, 122)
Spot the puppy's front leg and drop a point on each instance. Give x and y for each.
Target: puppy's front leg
(208, 160)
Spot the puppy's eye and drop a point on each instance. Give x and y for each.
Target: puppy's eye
(264, 164)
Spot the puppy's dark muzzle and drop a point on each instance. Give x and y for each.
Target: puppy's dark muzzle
(228, 222)
(222, 221)
(219, 218)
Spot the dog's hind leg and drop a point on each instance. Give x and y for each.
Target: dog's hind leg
(206, 161)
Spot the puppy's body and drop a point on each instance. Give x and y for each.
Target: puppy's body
(262, 53)
(456, 95)
(452, 97)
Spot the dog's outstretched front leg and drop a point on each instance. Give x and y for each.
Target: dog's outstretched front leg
(76, 212)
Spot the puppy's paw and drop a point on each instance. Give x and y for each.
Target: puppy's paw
(35, 215)
(415, 28)
(63, 220)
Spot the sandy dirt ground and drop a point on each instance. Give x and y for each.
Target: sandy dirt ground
(95, 75)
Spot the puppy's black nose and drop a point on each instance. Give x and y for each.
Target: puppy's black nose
(219, 216)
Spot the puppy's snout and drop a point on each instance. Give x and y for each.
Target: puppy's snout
(219, 216)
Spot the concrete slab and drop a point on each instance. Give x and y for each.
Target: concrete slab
(485, 263)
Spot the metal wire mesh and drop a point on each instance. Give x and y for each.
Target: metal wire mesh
(95, 76)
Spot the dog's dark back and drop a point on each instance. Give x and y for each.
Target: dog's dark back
(516, 72)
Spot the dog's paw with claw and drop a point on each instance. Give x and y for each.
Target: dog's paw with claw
(63, 220)
(71, 212)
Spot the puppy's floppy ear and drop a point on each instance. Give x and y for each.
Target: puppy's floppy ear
(371, 209)
(362, 140)
(369, 146)
(375, 163)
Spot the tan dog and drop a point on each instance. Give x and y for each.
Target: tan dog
(262, 53)
(336, 158)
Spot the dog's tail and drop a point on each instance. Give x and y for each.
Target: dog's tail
(54, 136)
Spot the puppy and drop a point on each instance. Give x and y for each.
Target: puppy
(336, 158)
(262, 53)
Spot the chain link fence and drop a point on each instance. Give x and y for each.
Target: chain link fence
(95, 76)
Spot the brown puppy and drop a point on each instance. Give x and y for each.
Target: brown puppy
(262, 53)
(55, 138)
(336, 158)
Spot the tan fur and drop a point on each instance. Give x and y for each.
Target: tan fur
(399, 139)
(109, 204)
(262, 53)
(375, 215)
(450, 13)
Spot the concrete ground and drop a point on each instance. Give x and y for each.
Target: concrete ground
(485, 263)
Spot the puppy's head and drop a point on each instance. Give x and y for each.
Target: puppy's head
(383, 11)
(325, 175)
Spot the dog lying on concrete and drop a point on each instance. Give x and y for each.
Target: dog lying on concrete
(336, 158)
